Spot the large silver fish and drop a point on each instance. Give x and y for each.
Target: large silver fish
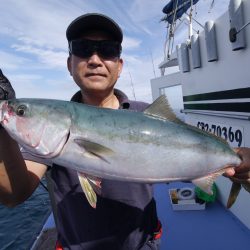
(149, 147)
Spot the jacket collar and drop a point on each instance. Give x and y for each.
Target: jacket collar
(122, 98)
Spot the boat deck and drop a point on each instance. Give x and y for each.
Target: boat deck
(214, 228)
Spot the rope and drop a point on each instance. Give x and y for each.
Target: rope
(44, 186)
(243, 27)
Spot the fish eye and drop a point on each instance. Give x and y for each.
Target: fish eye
(20, 111)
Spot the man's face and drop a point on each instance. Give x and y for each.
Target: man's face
(94, 73)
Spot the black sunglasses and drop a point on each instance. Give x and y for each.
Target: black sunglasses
(85, 48)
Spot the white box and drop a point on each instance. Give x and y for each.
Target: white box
(184, 204)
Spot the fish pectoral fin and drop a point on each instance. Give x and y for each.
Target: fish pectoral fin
(93, 149)
(87, 189)
(235, 189)
(205, 183)
(95, 183)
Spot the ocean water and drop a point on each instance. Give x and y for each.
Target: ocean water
(20, 226)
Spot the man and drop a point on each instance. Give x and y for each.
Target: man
(125, 216)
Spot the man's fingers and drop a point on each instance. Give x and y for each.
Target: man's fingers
(245, 175)
(241, 169)
(236, 150)
(229, 172)
(239, 180)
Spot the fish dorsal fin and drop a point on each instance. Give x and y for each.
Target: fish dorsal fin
(90, 186)
(160, 108)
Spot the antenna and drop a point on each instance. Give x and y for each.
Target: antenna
(152, 63)
(132, 85)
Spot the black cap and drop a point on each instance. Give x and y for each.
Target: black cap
(93, 21)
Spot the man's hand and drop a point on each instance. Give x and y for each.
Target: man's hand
(6, 90)
(241, 174)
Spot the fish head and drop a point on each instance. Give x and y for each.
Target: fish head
(40, 126)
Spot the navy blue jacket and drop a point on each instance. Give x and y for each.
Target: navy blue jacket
(125, 216)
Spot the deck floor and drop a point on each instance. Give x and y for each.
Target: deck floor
(214, 228)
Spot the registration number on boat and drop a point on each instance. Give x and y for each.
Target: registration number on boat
(233, 134)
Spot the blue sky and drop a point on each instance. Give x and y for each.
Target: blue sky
(33, 46)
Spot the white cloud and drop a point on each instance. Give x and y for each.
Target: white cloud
(33, 42)
(130, 43)
(143, 11)
(11, 61)
(41, 23)
(48, 57)
(35, 86)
